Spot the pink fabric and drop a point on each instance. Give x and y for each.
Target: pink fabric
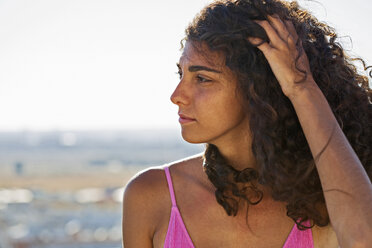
(298, 238)
(178, 237)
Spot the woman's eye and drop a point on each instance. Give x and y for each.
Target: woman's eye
(202, 79)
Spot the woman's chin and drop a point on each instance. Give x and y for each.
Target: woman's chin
(192, 138)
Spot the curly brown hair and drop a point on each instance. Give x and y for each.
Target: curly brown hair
(284, 160)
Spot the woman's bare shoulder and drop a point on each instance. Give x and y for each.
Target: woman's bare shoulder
(141, 181)
(147, 192)
(153, 178)
(147, 202)
(143, 207)
(146, 187)
(150, 185)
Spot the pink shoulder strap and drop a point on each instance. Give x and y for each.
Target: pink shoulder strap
(298, 238)
(170, 186)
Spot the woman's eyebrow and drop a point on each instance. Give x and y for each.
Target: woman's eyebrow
(194, 68)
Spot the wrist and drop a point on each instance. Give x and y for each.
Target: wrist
(300, 90)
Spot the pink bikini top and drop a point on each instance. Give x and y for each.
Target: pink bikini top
(178, 237)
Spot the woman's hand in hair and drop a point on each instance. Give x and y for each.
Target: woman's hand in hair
(285, 54)
(346, 185)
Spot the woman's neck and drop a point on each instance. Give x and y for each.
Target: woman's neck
(237, 150)
(239, 157)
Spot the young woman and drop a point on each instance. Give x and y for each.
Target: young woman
(287, 123)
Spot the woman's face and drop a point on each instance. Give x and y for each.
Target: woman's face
(209, 108)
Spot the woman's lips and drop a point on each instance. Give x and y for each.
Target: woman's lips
(184, 119)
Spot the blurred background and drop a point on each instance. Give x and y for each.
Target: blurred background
(84, 106)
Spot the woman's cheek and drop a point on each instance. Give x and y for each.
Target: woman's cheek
(208, 94)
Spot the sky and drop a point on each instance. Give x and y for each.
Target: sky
(111, 64)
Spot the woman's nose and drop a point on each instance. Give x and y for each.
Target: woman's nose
(180, 94)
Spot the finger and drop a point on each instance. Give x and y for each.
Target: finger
(280, 27)
(292, 30)
(260, 44)
(275, 40)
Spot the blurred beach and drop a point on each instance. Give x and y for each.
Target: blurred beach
(65, 188)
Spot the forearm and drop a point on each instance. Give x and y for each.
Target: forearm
(347, 188)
